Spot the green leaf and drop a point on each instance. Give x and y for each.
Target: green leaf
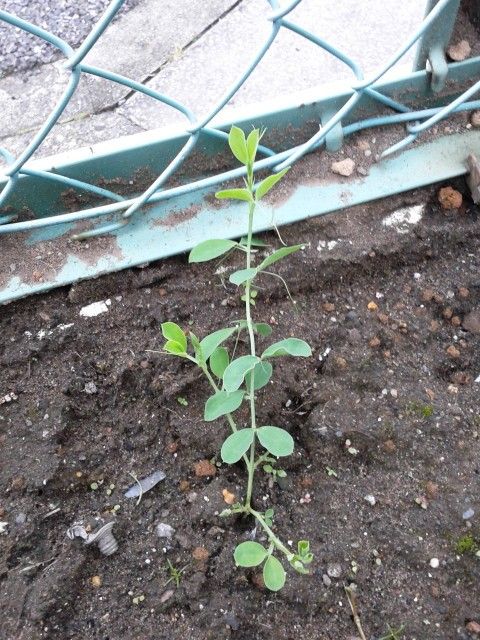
(236, 445)
(252, 144)
(219, 361)
(234, 194)
(237, 370)
(278, 441)
(265, 185)
(241, 276)
(273, 574)
(303, 547)
(263, 328)
(238, 144)
(214, 340)
(249, 554)
(197, 347)
(261, 375)
(255, 242)
(174, 347)
(222, 403)
(172, 331)
(210, 249)
(288, 347)
(278, 255)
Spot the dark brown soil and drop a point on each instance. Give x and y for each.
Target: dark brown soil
(388, 413)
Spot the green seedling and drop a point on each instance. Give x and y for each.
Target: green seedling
(236, 380)
(419, 410)
(175, 574)
(466, 544)
(182, 401)
(393, 634)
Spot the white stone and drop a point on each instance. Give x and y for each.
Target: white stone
(95, 309)
(371, 500)
(434, 563)
(165, 530)
(343, 167)
(402, 219)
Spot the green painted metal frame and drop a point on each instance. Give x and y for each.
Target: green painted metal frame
(180, 217)
(167, 178)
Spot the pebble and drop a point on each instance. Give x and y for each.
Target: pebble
(471, 322)
(95, 309)
(434, 563)
(204, 469)
(165, 530)
(326, 580)
(473, 627)
(370, 499)
(90, 388)
(431, 489)
(96, 581)
(449, 198)
(200, 554)
(469, 513)
(475, 119)
(459, 51)
(21, 518)
(343, 167)
(166, 595)
(232, 621)
(453, 352)
(334, 570)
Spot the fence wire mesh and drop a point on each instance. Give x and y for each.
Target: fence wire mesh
(432, 35)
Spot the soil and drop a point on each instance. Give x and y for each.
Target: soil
(386, 408)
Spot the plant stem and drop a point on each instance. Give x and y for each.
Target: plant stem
(248, 316)
(271, 536)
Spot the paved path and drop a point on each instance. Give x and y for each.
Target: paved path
(191, 51)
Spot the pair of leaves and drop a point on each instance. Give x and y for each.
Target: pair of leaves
(241, 276)
(277, 441)
(176, 338)
(252, 554)
(236, 371)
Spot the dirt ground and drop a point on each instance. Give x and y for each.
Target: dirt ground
(385, 416)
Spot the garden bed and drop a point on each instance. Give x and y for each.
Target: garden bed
(385, 416)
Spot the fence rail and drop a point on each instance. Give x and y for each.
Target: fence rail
(386, 109)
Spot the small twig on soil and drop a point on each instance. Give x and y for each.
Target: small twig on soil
(52, 512)
(141, 488)
(352, 600)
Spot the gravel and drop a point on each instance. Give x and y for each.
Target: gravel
(68, 19)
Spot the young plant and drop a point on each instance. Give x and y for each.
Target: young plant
(237, 381)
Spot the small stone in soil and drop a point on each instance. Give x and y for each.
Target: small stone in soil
(431, 489)
(334, 570)
(343, 167)
(232, 621)
(469, 513)
(204, 469)
(473, 627)
(459, 51)
(96, 581)
(326, 580)
(449, 198)
(453, 352)
(370, 499)
(471, 322)
(475, 119)
(434, 563)
(90, 388)
(165, 530)
(200, 554)
(166, 595)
